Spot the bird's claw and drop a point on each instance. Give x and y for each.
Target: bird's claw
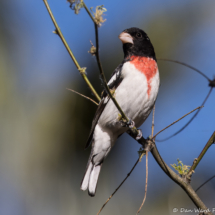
(129, 124)
(140, 134)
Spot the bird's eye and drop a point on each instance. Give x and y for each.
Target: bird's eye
(139, 35)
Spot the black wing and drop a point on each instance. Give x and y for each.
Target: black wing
(113, 83)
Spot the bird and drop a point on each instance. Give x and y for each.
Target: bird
(135, 85)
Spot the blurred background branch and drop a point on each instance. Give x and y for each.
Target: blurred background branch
(205, 183)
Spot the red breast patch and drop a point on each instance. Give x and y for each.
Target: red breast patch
(147, 66)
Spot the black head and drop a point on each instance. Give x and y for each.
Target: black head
(136, 42)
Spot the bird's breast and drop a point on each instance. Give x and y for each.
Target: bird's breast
(147, 66)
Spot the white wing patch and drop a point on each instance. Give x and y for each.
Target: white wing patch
(114, 77)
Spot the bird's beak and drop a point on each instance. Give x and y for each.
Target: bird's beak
(126, 38)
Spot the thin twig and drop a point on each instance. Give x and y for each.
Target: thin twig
(196, 161)
(103, 76)
(81, 70)
(119, 186)
(184, 64)
(88, 11)
(146, 184)
(189, 120)
(205, 183)
(83, 96)
(177, 121)
(100, 65)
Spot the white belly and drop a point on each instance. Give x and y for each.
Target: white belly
(133, 98)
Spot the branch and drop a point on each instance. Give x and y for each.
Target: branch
(179, 180)
(100, 65)
(196, 161)
(89, 13)
(177, 121)
(81, 70)
(83, 96)
(146, 184)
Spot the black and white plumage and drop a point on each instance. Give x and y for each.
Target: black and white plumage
(136, 84)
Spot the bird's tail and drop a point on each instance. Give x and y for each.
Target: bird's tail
(91, 177)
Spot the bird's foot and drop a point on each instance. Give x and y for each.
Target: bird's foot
(140, 134)
(129, 124)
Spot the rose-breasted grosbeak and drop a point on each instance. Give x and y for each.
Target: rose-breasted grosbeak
(135, 83)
